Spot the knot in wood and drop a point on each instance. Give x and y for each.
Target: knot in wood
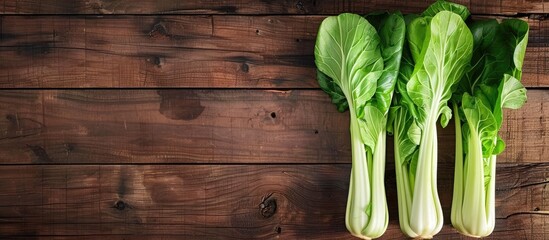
(120, 205)
(156, 61)
(69, 147)
(159, 30)
(40, 153)
(267, 208)
(299, 5)
(244, 67)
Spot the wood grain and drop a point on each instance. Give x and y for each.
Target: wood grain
(211, 126)
(181, 51)
(509, 7)
(232, 201)
(250, 148)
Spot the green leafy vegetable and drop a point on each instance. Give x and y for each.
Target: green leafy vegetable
(428, 60)
(491, 85)
(439, 50)
(357, 66)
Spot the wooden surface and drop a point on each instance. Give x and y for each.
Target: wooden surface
(206, 51)
(211, 126)
(230, 201)
(94, 143)
(244, 7)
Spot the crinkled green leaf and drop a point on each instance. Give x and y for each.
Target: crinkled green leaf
(412, 167)
(500, 146)
(487, 94)
(401, 116)
(489, 60)
(420, 91)
(365, 89)
(404, 100)
(333, 90)
(481, 120)
(446, 57)
(406, 70)
(406, 66)
(391, 117)
(498, 49)
(417, 34)
(516, 32)
(498, 56)
(371, 124)
(440, 5)
(465, 130)
(347, 50)
(484, 33)
(487, 174)
(402, 123)
(445, 116)
(414, 133)
(512, 94)
(391, 29)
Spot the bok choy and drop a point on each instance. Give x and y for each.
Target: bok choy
(439, 50)
(358, 62)
(493, 83)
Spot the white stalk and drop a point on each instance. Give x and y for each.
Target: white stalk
(426, 214)
(473, 211)
(359, 187)
(457, 198)
(404, 188)
(367, 214)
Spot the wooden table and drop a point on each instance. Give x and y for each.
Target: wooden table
(188, 120)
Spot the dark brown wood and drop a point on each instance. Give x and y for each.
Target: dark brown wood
(251, 150)
(149, 126)
(211, 126)
(181, 51)
(235, 201)
(136, 51)
(509, 7)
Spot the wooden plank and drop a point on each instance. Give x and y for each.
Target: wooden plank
(211, 126)
(150, 126)
(254, 7)
(181, 51)
(134, 51)
(232, 201)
